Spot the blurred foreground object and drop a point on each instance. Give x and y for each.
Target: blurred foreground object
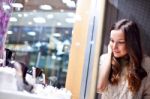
(5, 13)
(8, 79)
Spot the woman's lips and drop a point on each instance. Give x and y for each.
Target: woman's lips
(116, 51)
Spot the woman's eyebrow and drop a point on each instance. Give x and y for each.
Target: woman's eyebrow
(118, 39)
(122, 39)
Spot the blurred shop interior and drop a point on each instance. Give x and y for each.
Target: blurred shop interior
(40, 33)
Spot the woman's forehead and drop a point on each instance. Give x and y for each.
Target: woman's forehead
(117, 34)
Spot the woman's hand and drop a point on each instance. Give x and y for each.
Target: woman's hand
(109, 49)
(105, 65)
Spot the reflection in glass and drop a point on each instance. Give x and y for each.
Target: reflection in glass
(40, 35)
(5, 13)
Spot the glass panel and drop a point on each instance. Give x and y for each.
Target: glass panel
(40, 33)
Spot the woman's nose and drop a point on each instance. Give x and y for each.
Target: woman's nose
(115, 45)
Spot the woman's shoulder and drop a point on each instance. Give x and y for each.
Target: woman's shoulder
(146, 80)
(103, 56)
(146, 63)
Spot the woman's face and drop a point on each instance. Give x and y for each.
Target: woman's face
(117, 43)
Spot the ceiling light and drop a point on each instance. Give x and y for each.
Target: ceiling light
(30, 23)
(59, 23)
(50, 16)
(5, 6)
(17, 5)
(13, 19)
(45, 7)
(39, 20)
(25, 14)
(70, 20)
(71, 4)
(19, 15)
(9, 32)
(56, 34)
(71, 14)
(31, 33)
(65, 1)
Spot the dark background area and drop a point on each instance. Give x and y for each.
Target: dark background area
(136, 10)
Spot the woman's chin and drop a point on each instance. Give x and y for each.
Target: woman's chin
(117, 55)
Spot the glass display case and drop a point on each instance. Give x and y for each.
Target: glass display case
(40, 34)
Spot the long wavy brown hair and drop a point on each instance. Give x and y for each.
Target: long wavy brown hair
(135, 71)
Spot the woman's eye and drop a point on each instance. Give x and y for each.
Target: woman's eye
(121, 42)
(117, 42)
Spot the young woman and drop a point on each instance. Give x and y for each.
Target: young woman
(124, 71)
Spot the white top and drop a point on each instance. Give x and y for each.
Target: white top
(121, 90)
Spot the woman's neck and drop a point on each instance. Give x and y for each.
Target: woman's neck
(123, 60)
